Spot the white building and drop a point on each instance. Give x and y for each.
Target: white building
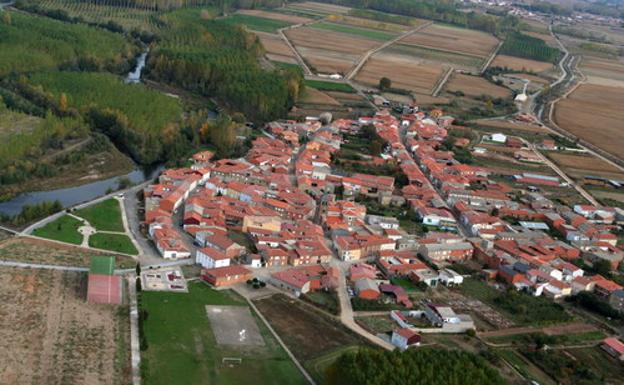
(211, 258)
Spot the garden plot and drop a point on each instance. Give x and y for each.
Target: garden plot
(276, 48)
(520, 64)
(476, 86)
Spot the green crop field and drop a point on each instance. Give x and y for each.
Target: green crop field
(182, 349)
(147, 110)
(104, 216)
(256, 23)
(32, 43)
(363, 32)
(113, 242)
(64, 229)
(330, 86)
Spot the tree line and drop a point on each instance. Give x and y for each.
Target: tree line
(422, 366)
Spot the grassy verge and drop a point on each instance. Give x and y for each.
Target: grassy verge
(113, 242)
(104, 216)
(64, 229)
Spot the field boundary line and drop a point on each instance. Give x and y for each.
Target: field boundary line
(279, 340)
(442, 82)
(292, 47)
(387, 44)
(491, 57)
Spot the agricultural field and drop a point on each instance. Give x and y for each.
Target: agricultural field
(370, 24)
(406, 73)
(475, 86)
(319, 8)
(298, 326)
(521, 64)
(290, 19)
(49, 334)
(256, 23)
(526, 130)
(33, 43)
(182, 342)
(314, 96)
(453, 39)
(276, 49)
(355, 31)
(593, 113)
(329, 86)
(441, 58)
(328, 51)
(600, 71)
(48, 253)
(579, 166)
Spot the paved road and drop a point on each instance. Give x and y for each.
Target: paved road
(346, 315)
(131, 206)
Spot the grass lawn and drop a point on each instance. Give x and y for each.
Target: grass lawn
(323, 299)
(182, 348)
(256, 23)
(363, 32)
(330, 86)
(104, 216)
(64, 229)
(113, 242)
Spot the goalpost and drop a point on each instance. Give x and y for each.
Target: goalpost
(231, 361)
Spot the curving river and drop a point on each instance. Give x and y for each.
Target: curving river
(74, 195)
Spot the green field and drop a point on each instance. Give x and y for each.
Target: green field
(113, 242)
(181, 347)
(32, 43)
(330, 86)
(104, 216)
(64, 229)
(256, 23)
(356, 31)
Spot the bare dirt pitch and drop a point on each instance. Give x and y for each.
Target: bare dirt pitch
(594, 113)
(234, 325)
(50, 335)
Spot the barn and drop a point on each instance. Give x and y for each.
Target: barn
(104, 286)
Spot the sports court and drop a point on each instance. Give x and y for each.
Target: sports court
(234, 325)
